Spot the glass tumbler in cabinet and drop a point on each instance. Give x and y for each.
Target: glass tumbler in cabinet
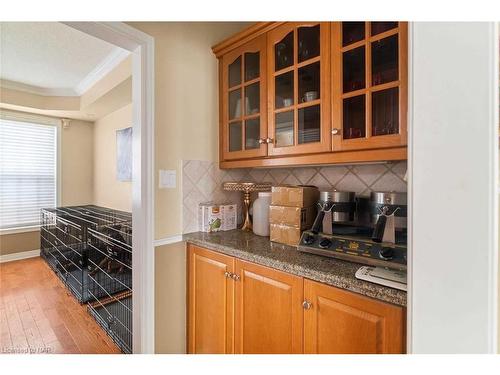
(299, 88)
(243, 94)
(369, 96)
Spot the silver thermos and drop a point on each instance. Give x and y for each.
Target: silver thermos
(334, 207)
(388, 213)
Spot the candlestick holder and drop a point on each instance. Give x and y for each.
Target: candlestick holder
(246, 188)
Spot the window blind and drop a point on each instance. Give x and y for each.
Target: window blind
(28, 171)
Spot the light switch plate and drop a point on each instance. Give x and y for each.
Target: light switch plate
(167, 179)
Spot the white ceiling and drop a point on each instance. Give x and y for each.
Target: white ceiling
(50, 58)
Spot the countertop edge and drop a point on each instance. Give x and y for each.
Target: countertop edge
(364, 288)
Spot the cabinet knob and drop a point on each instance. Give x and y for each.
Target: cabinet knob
(269, 140)
(262, 141)
(335, 131)
(228, 274)
(306, 305)
(235, 277)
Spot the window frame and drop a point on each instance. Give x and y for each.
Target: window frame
(44, 121)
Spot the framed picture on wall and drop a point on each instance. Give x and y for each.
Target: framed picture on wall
(124, 154)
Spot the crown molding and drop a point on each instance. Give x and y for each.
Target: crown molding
(99, 72)
(42, 91)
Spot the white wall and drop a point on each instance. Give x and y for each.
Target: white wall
(454, 160)
(108, 191)
(186, 105)
(185, 76)
(76, 163)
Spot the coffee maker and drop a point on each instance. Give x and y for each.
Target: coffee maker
(368, 230)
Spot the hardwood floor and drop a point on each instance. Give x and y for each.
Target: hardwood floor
(38, 314)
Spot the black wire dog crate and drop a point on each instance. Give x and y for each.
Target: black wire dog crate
(110, 269)
(64, 243)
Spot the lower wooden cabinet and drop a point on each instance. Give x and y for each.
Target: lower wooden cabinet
(240, 307)
(268, 311)
(210, 301)
(338, 322)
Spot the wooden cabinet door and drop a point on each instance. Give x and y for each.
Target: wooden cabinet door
(341, 322)
(299, 120)
(268, 311)
(210, 302)
(243, 94)
(369, 85)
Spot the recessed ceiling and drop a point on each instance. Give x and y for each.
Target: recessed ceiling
(50, 58)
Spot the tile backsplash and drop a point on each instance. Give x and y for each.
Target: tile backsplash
(202, 182)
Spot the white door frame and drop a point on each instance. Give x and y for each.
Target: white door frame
(452, 168)
(141, 45)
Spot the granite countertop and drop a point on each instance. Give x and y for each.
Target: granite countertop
(256, 249)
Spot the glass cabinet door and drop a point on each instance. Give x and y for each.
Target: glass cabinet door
(243, 96)
(370, 58)
(298, 76)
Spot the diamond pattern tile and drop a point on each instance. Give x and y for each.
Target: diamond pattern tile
(291, 180)
(194, 169)
(279, 174)
(187, 185)
(399, 169)
(351, 183)
(238, 174)
(202, 181)
(257, 174)
(389, 182)
(215, 172)
(207, 184)
(369, 173)
(190, 222)
(269, 179)
(321, 182)
(304, 174)
(333, 174)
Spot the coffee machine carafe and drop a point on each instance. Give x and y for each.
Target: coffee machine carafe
(388, 212)
(335, 207)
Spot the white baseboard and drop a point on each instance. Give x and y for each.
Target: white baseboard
(168, 240)
(19, 256)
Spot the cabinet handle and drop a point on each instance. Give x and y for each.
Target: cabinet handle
(229, 275)
(306, 305)
(269, 140)
(262, 141)
(335, 131)
(235, 277)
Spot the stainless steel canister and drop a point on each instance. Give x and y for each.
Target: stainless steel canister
(390, 202)
(342, 203)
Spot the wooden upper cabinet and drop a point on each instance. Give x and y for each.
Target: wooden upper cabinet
(243, 97)
(210, 302)
(370, 84)
(268, 311)
(341, 322)
(298, 68)
(299, 93)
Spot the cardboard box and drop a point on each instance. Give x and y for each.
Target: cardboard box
(294, 196)
(302, 218)
(285, 234)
